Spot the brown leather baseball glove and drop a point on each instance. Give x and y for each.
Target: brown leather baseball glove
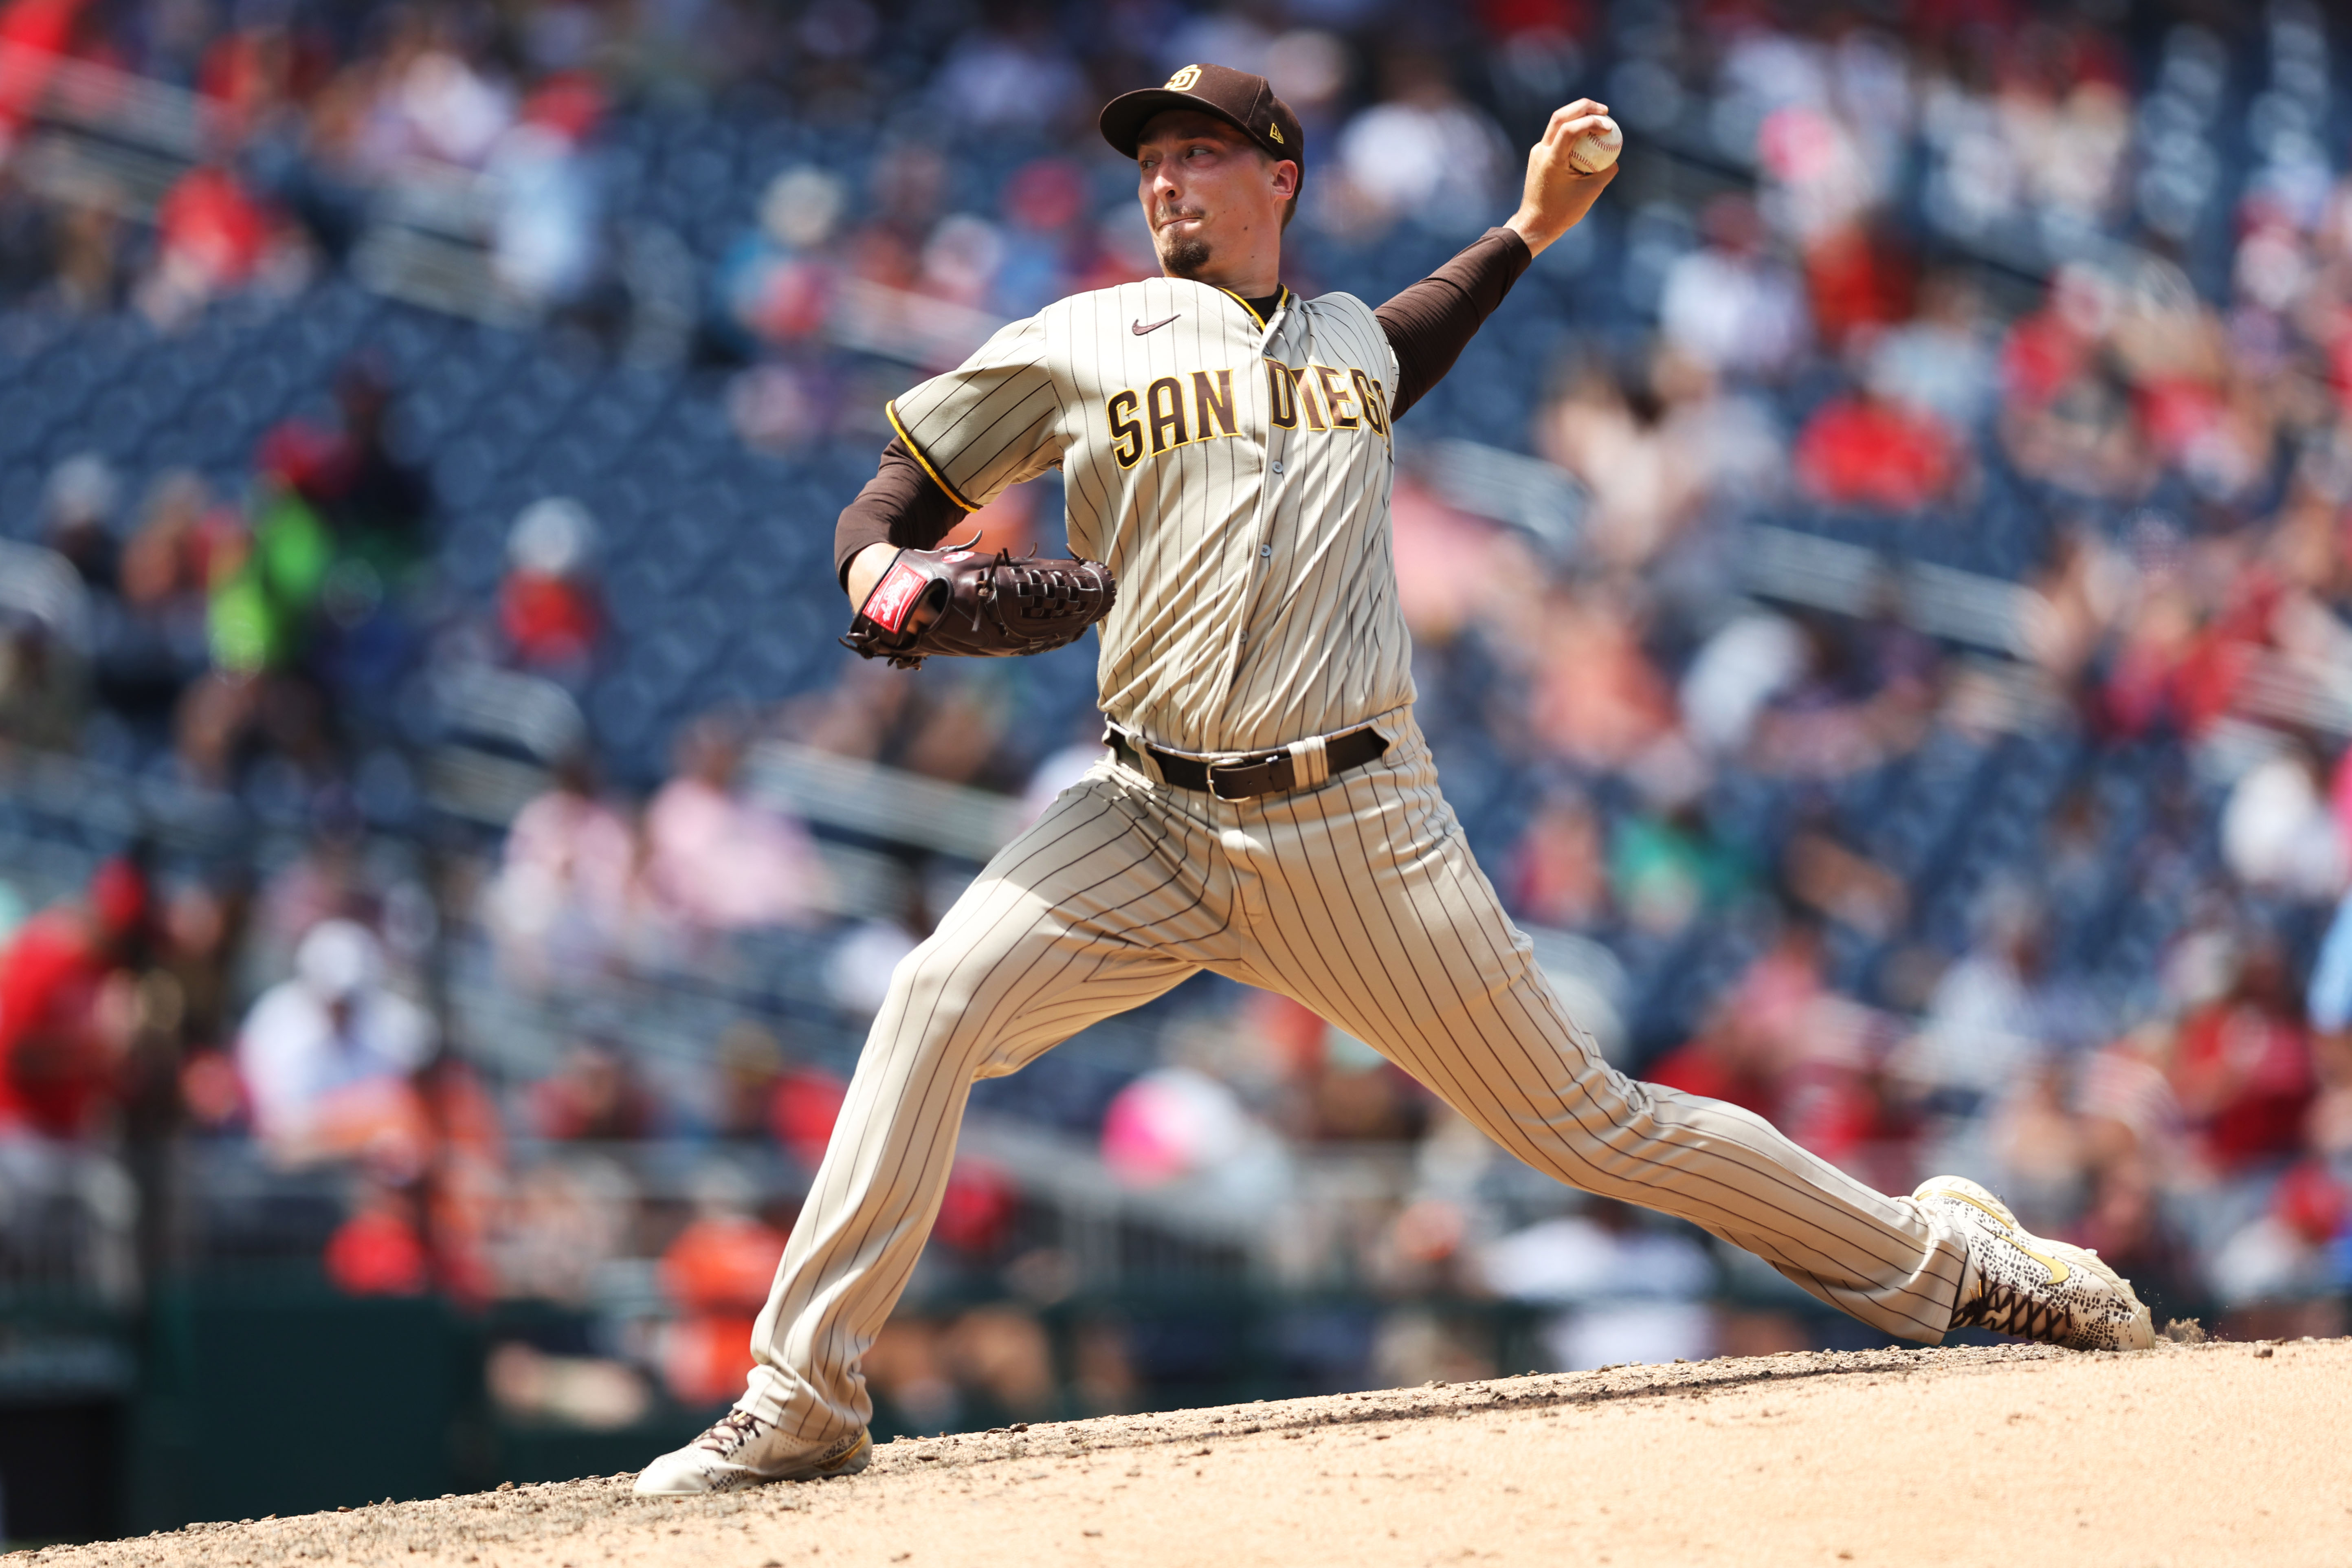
(959, 603)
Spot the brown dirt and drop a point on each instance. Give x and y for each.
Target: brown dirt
(2190, 1455)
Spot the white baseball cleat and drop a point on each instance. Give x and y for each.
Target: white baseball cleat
(2018, 1283)
(742, 1450)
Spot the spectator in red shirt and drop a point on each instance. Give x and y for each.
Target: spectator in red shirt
(212, 235)
(801, 1109)
(1758, 1033)
(1858, 277)
(594, 1094)
(1558, 874)
(1725, 1060)
(34, 34)
(377, 1251)
(64, 1021)
(1863, 451)
(2243, 1069)
(717, 1273)
(548, 605)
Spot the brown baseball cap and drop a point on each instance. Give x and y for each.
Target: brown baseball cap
(1245, 102)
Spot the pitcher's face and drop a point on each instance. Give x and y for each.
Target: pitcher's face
(1206, 190)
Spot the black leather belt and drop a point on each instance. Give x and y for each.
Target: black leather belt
(1257, 773)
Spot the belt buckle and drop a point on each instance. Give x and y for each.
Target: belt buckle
(1280, 777)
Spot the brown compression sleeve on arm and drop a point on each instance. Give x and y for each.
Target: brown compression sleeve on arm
(1429, 322)
(900, 505)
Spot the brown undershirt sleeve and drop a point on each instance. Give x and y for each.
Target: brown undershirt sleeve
(900, 505)
(1429, 322)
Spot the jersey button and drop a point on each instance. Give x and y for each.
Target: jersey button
(1266, 551)
(1278, 465)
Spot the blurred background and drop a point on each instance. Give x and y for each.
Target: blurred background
(1880, 596)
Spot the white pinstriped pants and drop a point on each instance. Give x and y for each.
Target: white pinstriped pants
(1361, 899)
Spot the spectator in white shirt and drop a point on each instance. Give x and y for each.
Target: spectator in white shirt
(1423, 151)
(1729, 306)
(326, 1057)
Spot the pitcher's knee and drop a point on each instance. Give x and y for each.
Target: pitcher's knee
(1615, 1100)
(920, 1011)
(940, 1008)
(1603, 1134)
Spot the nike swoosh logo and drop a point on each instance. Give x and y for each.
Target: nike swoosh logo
(1138, 329)
(2058, 1271)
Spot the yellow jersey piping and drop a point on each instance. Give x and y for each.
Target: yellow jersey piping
(890, 412)
(1281, 292)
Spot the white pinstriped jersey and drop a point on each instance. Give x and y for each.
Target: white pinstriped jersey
(1235, 480)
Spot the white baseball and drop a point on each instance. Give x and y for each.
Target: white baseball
(1597, 148)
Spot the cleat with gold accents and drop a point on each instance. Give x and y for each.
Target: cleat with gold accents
(742, 1450)
(2018, 1283)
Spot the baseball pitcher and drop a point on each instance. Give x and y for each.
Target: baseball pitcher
(1266, 806)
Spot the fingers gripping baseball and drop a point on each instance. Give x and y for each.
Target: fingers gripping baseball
(1567, 172)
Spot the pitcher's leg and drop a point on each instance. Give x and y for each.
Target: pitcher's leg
(1371, 909)
(1088, 913)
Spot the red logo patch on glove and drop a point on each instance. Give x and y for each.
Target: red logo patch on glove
(893, 596)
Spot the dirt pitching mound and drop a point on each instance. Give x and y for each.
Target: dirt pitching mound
(2190, 1455)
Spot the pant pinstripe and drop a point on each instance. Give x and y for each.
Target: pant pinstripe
(1361, 900)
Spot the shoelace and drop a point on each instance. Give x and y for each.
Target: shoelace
(2005, 1309)
(730, 1431)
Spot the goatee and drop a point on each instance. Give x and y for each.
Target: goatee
(1183, 256)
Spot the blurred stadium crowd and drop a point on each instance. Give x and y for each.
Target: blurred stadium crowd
(1879, 589)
